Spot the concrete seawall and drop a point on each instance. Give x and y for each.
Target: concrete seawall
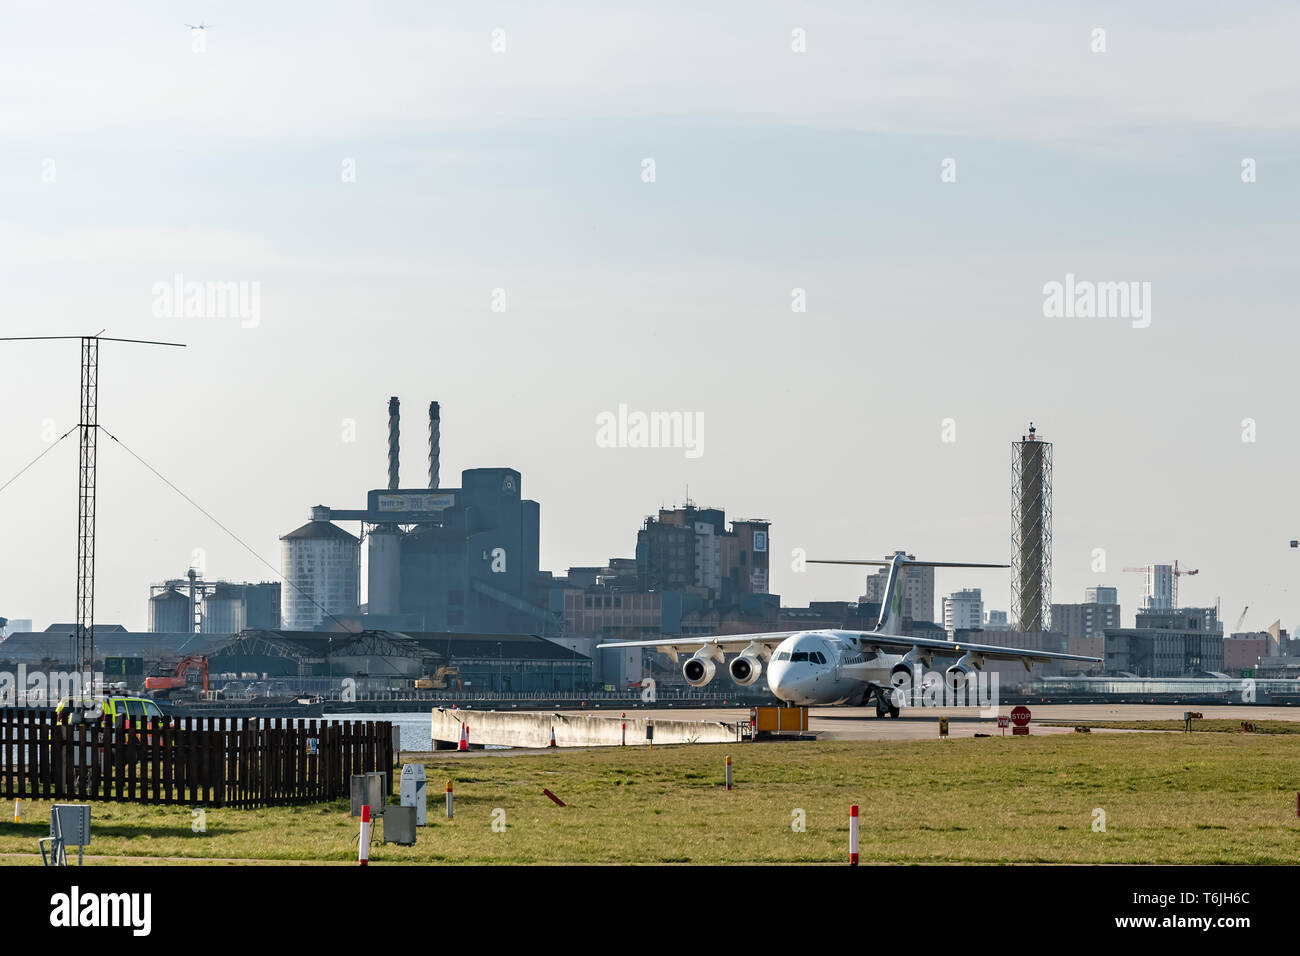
(576, 730)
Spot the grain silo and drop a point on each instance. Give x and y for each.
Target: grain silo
(169, 610)
(223, 609)
(321, 567)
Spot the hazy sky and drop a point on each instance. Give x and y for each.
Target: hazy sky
(126, 158)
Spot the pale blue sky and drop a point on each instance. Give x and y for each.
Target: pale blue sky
(775, 170)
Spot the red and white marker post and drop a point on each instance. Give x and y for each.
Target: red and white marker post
(364, 849)
(853, 835)
(624, 743)
(728, 771)
(450, 800)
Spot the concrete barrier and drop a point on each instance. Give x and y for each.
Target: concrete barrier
(533, 729)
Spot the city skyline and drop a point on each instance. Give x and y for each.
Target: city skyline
(775, 171)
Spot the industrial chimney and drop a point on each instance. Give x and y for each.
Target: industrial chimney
(434, 439)
(394, 417)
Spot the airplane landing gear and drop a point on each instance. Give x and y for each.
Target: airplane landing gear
(884, 705)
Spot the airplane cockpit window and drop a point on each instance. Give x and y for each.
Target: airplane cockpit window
(818, 657)
(799, 656)
(783, 656)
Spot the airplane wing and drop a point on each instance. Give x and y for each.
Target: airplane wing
(898, 642)
(673, 646)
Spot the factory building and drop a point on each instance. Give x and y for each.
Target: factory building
(475, 570)
(212, 607)
(439, 559)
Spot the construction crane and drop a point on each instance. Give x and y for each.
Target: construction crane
(1236, 628)
(1177, 572)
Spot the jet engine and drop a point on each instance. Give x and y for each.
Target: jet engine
(700, 668)
(901, 675)
(959, 673)
(747, 666)
(910, 671)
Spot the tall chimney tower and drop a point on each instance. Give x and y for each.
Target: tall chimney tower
(1031, 532)
(394, 420)
(434, 439)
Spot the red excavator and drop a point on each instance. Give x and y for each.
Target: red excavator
(176, 687)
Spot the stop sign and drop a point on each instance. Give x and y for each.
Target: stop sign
(1020, 716)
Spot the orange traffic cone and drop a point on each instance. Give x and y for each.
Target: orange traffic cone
(552, 743)
(464, 736)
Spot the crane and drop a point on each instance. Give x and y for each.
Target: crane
(1177, 572)
(1236, 628)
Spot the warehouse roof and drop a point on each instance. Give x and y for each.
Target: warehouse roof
(35, 647)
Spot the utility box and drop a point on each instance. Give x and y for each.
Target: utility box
(414, 793)
(69, 826)
(368, 790)
(780, 720)
(399, 826)
(70, 822)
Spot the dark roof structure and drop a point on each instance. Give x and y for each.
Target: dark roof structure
(319, 529)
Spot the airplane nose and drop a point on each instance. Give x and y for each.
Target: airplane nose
(781, 682)
(776, 674)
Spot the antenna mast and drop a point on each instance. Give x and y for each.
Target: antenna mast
(88, 424)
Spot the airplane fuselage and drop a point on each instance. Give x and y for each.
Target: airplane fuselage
(819, 668)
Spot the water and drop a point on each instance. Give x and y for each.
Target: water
(415, 727)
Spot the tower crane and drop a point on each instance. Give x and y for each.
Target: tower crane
(1177, 573)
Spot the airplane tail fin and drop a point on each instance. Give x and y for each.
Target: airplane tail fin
(891, 606)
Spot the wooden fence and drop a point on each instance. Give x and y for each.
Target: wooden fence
(208, 761)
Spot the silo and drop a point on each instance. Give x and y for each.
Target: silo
(169, 611)
(223, 609)
(1031, 532)
(321, 566)
(384, 576)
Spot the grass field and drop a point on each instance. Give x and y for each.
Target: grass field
(1218, 726)
(1167, 798)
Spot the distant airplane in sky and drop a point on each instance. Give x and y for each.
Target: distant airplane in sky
(199, 26)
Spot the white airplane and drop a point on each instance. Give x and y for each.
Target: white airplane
(844, 667)
(199, 26)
